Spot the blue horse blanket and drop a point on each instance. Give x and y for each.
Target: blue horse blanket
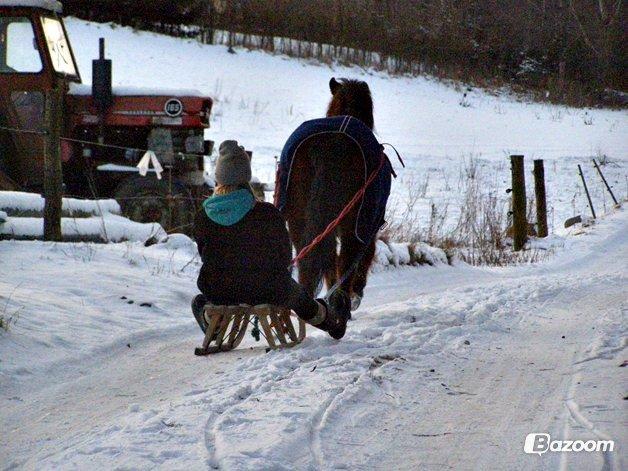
(373, 205)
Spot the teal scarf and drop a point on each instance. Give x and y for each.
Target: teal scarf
(229, 209)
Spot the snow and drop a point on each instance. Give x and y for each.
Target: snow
(428, 254)
(120, 168)
(442, 366)
(179, 242)
(45, 4)
(383, 254)
(401, 253)
(108, 227)
(104, 223)
(82, 89)
(22, 201)
(438, 364)
(259, 99)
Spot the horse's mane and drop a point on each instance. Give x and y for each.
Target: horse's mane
(352, 97)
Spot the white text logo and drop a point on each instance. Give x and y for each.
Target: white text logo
(540, 443)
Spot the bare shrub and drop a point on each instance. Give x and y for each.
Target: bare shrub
(477, 235)
(9, 316)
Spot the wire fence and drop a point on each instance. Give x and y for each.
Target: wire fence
(93, 143)
(422, 148)
(91, 182)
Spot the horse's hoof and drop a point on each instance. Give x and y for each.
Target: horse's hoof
(356, 300)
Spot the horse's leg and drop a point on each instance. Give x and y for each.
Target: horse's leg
(321, 261)
(296, 229)
(331, 274)
(350, 249)
(361, 274)
(318, 263)
(297, 215)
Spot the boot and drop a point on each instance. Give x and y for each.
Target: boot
(198, 309)
(333, 314)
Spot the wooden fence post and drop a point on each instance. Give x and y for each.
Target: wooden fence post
(541, 202)
(53, 178)
(519, 220)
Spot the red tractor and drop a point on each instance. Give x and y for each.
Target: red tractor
(106, 131)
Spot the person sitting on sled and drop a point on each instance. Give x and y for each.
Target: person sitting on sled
(246, 252)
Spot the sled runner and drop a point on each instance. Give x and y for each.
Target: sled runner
(226, 326)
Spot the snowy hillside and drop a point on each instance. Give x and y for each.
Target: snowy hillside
(261, 99)
(442, 367)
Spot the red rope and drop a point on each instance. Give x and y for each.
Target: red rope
(347, 209)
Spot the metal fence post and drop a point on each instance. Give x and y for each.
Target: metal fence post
(586, 190)
(599, 170)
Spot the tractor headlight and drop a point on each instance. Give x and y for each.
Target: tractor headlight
(206, 111)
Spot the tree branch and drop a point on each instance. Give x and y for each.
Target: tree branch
(585, 37)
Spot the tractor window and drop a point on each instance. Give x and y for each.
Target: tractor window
(58, 46)
(18, 46)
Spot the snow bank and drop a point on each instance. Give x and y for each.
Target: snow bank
(104, 223)
(383, 254)
(403, 253)
(180, 243)
(423, 253)
(11, 201)
(109, 228)
(114, 228)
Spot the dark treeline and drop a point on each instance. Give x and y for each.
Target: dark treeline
(565, 50)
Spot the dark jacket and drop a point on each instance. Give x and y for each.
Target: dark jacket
(246, 262)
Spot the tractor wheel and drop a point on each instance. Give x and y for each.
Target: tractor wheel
(146, 199)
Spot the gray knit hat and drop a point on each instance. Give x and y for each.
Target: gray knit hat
(233, 166)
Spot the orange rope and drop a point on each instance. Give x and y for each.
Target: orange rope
(332, 225)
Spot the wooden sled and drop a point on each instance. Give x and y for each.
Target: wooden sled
(226, 327)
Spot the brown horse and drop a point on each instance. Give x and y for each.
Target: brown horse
(327, 171)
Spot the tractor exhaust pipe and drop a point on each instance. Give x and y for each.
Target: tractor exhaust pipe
(101, 80)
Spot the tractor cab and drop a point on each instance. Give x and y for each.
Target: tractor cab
(106, 130)
(34, 55)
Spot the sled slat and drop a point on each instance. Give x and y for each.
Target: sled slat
(268, 332)
(287, 322)
(226, 327)
(225, 320)
(235, 329)
(277, 322)
(211, 329)
(242, 330)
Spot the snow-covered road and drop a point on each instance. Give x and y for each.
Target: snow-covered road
(443, 368)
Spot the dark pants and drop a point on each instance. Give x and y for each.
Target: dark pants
(291, 295)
